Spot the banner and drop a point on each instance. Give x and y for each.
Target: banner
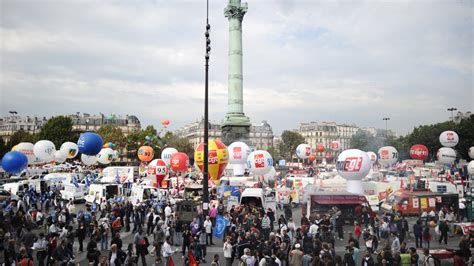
(221, 223)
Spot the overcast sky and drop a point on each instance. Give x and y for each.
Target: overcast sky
(349, 62)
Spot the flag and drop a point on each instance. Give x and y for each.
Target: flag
(87, 180)
(74, 181)
(192, 261)
(117, 179)
(221, 224)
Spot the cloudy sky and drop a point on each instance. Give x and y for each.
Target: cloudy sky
(343, 61)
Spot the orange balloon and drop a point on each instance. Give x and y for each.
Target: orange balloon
(312, 157)
(145, 153)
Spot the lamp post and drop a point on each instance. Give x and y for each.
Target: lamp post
(469, 205)
(386, 125)
(87, 124)
(12, 113)
(205, 171)
(452, 109)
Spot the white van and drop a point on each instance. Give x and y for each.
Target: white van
(16, 188)
(71, 192)
(259, 197)
(126, 174)
(99, 192)
(141, 193)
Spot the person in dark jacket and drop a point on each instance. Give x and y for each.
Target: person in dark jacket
(81, 235)
(93, 253)
(418, 232)
(367, 260)
(443, 229)
(348, 259)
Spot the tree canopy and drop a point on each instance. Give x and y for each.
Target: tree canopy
(289, 141)
(58, 129)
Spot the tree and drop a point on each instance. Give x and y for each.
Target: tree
(58, 130)
(112, 133)
(274, 152)
(3, 147)
(147, 136)
(181, 144)
(289, 141)
(21, 136)
(365, 141)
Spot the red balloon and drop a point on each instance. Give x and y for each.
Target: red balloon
(418, 152)
(328, 155)
(165, 122)
(320, 147)
(179, 162)
(158, 169)
(312, 157)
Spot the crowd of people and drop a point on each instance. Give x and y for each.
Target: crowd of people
(42, 230)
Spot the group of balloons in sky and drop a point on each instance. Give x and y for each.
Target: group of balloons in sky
(89, 144)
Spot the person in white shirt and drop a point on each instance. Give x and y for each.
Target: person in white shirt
(208, 228)
(313, 229)
(227, 252)
(168, 212)
(462, 209)
(167, 251)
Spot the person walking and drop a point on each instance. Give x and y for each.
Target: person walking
(141, 245)
(443, 229)
(426, 237)
(167, 252)
(208, 229)
(228, 251)
(418, 232)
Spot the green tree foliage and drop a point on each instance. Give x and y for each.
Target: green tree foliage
(274, 152)
(3, 147)
(181, 144)
(112, 133)
(365, 141)
(58, 129)
(21, 136)
(147, 136)
(289, 141)
(428, 135)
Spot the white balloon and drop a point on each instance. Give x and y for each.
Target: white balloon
(335, 145)
(388, 155)
(303, 151)
(59, 157)
(372, 156)
(27, 149)
(105, 156)
(470, 152)
(259, 162)
(44, 150)
(353, 164)
(69, 149)
(238, 152)
(449, 138)
(166, 155)
(446, 155)
(470, 168)
(88, 160)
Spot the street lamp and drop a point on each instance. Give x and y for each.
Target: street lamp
(452, 109)
(87, 124)
(205, 171)
(12, 113)
(386, 126)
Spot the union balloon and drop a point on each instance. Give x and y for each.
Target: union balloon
(145, 153)
(44, 150)
(353, 164)
(372, 156)
(59, 157)
(14, 162)
(335, 145)
(158, 169)
(446, 155)
(270, 176)
(303, 151)
(470, 152)
(470, 168)
(238, 152)
(105, 156)
(388, 155)
(88, 159)
(69, 149)
(179, 162)
(218, 157)
(320, 147)
(259, 162)
(418, 152)
(27, 149)
(90, 143)
(167, 153)
(449, 138)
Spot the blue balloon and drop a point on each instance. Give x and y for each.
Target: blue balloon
(14, 161)
(90, 143)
